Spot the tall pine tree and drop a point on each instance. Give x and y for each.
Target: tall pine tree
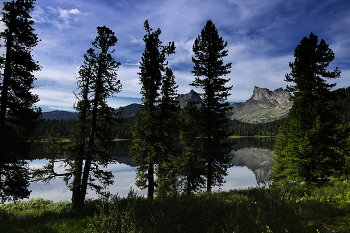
(18, 117)
(147, 143)
(305, 144)
(209, 50)
(167, 171)
(93, 134)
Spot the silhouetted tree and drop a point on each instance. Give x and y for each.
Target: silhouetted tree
(167, 172)
(147, 148)
(209, 50)
(18, 117)
(192, 165)
(94, 126)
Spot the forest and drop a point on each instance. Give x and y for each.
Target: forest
(235, 127)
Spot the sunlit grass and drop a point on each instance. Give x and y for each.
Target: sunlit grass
(39, 215)
(256, 136)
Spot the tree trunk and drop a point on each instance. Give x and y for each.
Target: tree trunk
(150, 182)
(77, 201)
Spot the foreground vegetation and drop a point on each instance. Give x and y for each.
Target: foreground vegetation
(288, 208)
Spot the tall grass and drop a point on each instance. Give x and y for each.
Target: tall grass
(252, 210)
(39, 215)
(287, 208)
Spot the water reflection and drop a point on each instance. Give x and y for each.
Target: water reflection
(124, 179)
(252, 165)
(258, 160)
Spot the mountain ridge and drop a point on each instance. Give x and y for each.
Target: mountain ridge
(263, 106)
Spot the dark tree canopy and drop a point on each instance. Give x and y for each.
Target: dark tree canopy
(305, 145)
(18, 116)
(192, 165)
(147, 139)
(209, 67)
(168, 131)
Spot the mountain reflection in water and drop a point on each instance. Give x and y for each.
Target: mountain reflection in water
(252, 166)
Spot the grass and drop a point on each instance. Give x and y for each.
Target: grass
(256, 136)
(39, 215)
(119, 139)
(288, 208)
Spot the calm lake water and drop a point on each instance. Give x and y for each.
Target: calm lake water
(252, 165)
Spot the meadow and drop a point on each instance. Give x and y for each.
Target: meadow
(287, 208)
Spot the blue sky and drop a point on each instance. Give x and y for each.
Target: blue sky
(261, 36)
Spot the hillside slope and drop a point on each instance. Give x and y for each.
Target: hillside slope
(263, 106)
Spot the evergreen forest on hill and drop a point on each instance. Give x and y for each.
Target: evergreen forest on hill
(123, 130)
(236, 128)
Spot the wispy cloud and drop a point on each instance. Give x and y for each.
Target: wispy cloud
(58, 17)
(261, 36)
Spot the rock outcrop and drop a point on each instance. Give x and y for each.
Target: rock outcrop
(191, 96)
(263, 106)
(269, 98)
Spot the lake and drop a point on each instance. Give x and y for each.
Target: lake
(252, 158)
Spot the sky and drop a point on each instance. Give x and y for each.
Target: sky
(261, 37)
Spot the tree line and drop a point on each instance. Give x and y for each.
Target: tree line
(122, 130)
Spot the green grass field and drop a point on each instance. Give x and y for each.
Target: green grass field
(293, 208)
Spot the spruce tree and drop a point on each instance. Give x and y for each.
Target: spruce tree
(18, 116)
(192, 165)
(305, 144)
(147, 147)
(209, 50)
(88, 150)
(167, 171)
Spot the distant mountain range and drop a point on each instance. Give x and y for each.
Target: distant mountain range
(183, 99)
(59, 115)
(263, 106)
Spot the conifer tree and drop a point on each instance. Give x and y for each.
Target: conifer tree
(93, 134)
(209, 50)
(192, 166)
(147, 147)
(18, 116)
(305, 144)
(167, 171)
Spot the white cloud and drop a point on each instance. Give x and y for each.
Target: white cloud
(53, 97)
(261, 36)
(66, 13)
(60, 18)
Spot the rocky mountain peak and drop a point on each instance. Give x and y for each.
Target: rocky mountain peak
(260, 93)
(191, 96)
(263, 106)
(266, 97)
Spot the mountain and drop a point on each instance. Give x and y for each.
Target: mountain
(263, 106)
(131, 109)
(191, 96)
(59, 115)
